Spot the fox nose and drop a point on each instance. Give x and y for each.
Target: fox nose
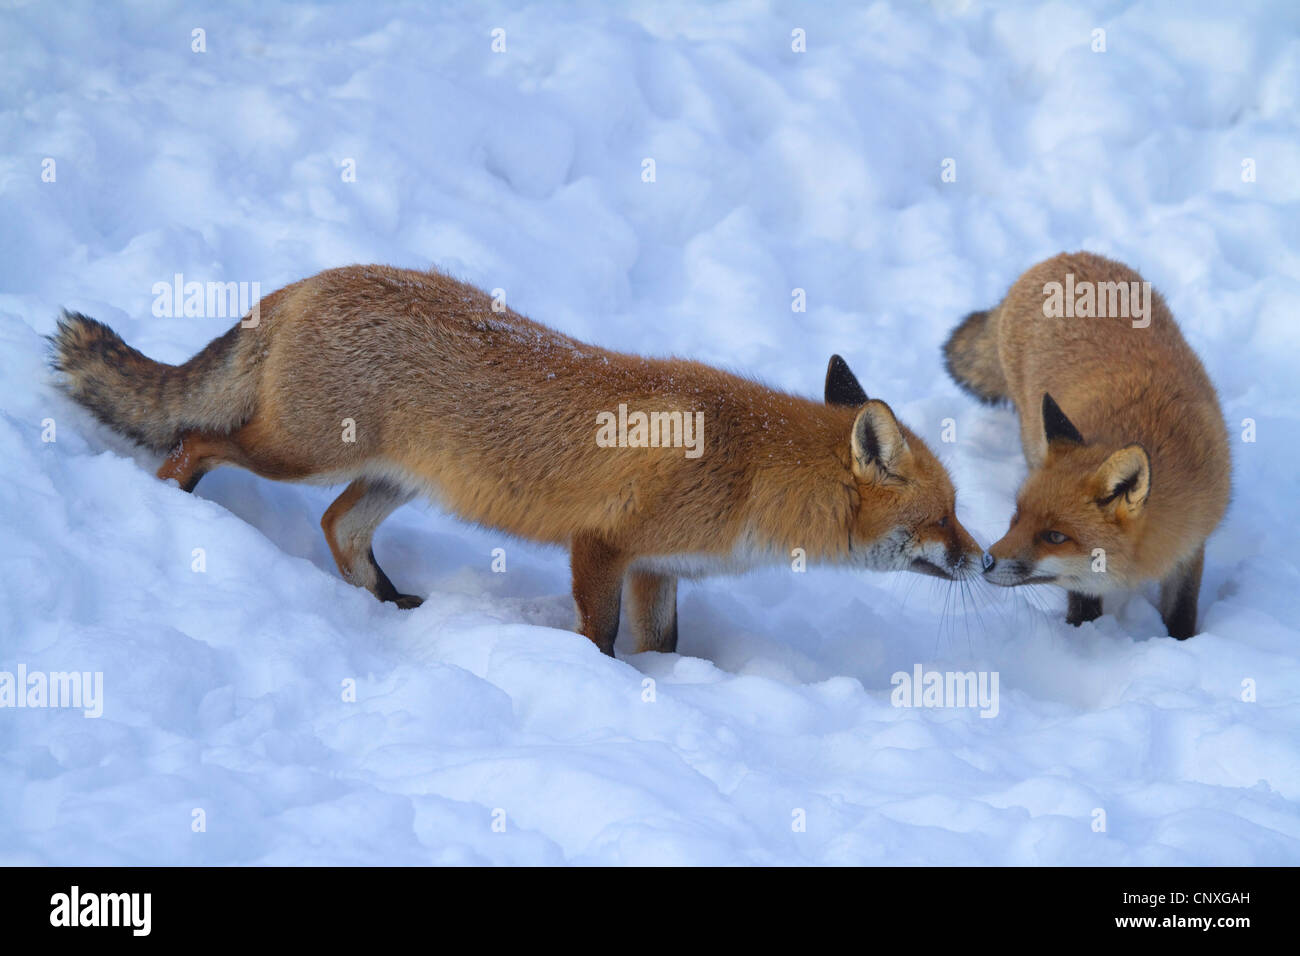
(989, 561)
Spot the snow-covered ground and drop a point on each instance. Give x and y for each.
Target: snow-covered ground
(771, 737)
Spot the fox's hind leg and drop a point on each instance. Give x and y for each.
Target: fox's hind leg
(1178, 594)
(349, 525)
(597, 588)
(652, 604)
(196, 455)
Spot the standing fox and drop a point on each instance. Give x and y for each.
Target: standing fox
(1126, 443)
(509, 424)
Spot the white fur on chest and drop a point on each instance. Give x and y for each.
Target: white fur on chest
(746, 555)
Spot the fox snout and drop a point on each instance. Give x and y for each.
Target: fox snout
(953, 555)
(1009, 566)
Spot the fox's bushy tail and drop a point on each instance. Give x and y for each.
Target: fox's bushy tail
(149, 402)
(971, 354)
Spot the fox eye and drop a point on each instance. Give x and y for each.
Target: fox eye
(942, 522)
(1055, 537)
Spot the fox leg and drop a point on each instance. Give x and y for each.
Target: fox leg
(1178, 594)
(597, 588)
(349, 525)
(1082, 608)
(195, 456)
(652, 603)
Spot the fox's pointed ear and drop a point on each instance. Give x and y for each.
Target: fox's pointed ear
(842, 386)
(878, 442)
(1055, 425)
(1123, 482)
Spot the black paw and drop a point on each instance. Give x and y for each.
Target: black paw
(408, 601)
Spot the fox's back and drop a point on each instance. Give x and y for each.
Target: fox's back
(504, 409)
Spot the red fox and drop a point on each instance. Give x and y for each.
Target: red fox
(1126, 444)
(403, 382)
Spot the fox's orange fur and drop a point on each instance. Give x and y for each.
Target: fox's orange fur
(494, 416)
(1149, 479)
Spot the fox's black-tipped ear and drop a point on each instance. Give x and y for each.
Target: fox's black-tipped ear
(1055, 425)
(1124, 481)
(842, 386)
(877, 441)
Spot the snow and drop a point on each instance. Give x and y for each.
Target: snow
(224, 689)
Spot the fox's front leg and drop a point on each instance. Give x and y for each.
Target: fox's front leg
(1178, 594)
(597, 588)
(652, 605)
(1082, 607)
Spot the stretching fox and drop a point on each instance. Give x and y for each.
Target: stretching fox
(1126, 443)
(499, 419)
